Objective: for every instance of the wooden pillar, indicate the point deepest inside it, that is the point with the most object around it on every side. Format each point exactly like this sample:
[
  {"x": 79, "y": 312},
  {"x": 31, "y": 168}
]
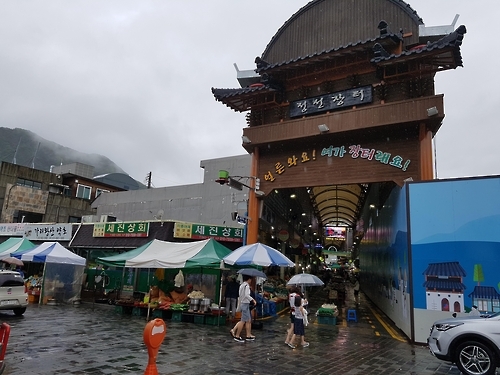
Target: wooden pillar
[
  {"x": 426, "y": 156},
  {"x": 253, "y": 202}
]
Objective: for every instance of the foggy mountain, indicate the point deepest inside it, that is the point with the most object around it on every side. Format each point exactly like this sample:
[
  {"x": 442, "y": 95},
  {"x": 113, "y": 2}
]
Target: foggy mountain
[{"x": 49, "y": 153}]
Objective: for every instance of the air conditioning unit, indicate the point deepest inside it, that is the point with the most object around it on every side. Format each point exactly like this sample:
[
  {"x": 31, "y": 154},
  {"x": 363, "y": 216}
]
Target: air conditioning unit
[
  {"x": 107, "y": 219},
  {"x": 90, "y": 218}
]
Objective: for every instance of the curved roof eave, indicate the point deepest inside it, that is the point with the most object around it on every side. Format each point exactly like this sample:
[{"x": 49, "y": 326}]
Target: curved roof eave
[
  {"x": 453, "y": 40},
  {"x": 268, "y": 67}
]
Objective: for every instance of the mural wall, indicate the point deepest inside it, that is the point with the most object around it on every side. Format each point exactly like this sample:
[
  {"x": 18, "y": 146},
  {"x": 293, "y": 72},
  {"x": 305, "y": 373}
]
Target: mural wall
[
  {"x": 455, "y": 248},
  {"x": 384, "y": 256}
]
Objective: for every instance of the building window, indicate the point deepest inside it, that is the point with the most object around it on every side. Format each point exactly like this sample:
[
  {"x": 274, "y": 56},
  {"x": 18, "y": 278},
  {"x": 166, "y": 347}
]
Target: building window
[
  {"x": 74, "y": 219},
  {"x": 83, "y": 191},
  {"x": 29, "y": 183},
  {"x": 99, "y": 191}
]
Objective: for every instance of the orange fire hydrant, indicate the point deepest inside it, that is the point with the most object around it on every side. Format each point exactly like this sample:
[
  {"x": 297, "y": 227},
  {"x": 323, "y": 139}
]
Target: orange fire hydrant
[{"x": 154, "y": 333}]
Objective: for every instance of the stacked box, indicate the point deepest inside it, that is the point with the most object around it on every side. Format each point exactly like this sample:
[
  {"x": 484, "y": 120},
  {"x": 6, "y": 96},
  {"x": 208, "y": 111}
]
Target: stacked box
[
  {"x": 188, "y": 318},
  {"x": 215, "y": 320},
  {"x": 139, "y": 311},
  {"x": 199, "y": 319},
  {"x": 176, "y": 316},
  {"x": 332, "y": 320},
  {"x": 124, "y": 310},
  {"x": 157, "y": 313}
]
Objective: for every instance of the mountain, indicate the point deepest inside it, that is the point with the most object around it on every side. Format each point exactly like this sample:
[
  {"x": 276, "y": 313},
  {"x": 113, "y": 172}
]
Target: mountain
[{"x": 49, "y": 153}]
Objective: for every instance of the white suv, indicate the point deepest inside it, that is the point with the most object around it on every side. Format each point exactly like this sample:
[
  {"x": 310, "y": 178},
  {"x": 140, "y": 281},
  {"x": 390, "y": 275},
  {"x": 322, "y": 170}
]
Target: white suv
[
  {"x": 13, "y": 294},
  {"x": 472, "y": 343}
]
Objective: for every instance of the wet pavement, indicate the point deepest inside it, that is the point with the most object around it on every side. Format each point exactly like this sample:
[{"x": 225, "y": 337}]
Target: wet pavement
[{"x": 95, "y": 339}]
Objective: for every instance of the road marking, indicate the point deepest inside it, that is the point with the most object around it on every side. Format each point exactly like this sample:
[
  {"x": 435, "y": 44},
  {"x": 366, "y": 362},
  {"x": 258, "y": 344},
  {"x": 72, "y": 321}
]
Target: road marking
[{"x": 389, "y": 329}]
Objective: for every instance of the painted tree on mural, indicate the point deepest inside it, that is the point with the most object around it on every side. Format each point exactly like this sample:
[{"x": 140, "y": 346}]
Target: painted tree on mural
[{"x": 478, "y": 273}]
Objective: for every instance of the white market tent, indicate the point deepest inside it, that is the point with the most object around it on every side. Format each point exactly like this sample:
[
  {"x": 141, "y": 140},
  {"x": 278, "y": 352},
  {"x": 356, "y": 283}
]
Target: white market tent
[
  {"x": 49, "y": 252},
  {"x": 162, "y": 254},
  {"x": 62, "y": 272}
]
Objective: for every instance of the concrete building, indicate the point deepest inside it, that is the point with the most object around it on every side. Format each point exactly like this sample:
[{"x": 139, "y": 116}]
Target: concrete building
[
  {"x": 36, "y": 196},
  {"x": 208, "y": 202}
]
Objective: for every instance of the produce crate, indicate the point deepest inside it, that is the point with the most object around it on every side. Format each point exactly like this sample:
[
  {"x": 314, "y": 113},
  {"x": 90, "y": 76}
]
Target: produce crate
[
  {"x": 188, "y": 318},
  {"x": 157, "y": 313},
  {"x": 199, "y": 319},
  {"x": 139, "y": 311},
  {"x": 124, "y": 310},
  {"x": 214, "y": 320},
  {"x": 167, "y": 314},
  {"x": 332, "y": 320},
  {"x": 176, "y": 316}
]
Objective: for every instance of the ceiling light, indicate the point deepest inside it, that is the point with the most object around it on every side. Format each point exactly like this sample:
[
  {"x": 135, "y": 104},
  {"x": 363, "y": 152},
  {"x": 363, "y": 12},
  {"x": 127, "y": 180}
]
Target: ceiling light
[
  {"x": 303, "y": 214},
  {"x": 293, "y": 196}
]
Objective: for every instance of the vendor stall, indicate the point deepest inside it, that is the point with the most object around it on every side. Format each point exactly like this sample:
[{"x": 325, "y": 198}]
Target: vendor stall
[
  {"x": 162, "y": 261},
  {"x": 62, "y": 271}
]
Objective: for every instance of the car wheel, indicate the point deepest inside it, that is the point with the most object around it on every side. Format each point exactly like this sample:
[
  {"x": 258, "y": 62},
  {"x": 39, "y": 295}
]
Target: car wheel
[
  {"x": 20, "y": 311},
  {"x": 475, "y": 358}
]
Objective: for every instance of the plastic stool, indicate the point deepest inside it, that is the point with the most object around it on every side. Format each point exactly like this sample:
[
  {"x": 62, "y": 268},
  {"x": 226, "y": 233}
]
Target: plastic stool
[{"x": 351, "y": 316}]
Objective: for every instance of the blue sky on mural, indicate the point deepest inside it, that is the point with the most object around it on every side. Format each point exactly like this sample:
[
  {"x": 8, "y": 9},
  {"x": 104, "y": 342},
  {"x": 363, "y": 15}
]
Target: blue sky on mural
[
  {"x": 112, "y": 76},
  {"x": 448, "y": 213},
  {"x": 455, "y": 221}
]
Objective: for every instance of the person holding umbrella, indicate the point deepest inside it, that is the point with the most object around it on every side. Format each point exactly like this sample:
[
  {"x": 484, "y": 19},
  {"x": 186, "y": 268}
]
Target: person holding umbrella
[
  {"x": 244, "y": 301},
  {"x": 294, "y": 291}
]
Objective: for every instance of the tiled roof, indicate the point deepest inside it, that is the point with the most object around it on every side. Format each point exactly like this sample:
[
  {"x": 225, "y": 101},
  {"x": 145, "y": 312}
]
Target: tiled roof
[
  {"x": 453, "y": 40},
  {"x": 227, "y": 93},
  {"x": 445, "y": 285},
  {"x": 264, "y": 67},
  {"x": 450, "y": 269},
  {"x": 484, "y": 292}
]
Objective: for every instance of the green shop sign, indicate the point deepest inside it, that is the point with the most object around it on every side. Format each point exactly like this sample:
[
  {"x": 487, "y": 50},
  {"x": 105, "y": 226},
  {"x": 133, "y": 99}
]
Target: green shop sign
[
  {"x": 204, "y": 231},
  {"x": 121, "y": 229}
]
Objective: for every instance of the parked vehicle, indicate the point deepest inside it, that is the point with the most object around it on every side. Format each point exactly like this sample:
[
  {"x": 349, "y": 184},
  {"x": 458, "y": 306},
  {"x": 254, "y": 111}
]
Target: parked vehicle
[
  {"x": 472, "y": 343},
  {"x": 13, "y": 295}
]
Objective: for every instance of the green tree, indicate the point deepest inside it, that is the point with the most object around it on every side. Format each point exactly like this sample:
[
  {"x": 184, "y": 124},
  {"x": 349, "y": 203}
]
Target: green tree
[{"x": 478, "y": 273}]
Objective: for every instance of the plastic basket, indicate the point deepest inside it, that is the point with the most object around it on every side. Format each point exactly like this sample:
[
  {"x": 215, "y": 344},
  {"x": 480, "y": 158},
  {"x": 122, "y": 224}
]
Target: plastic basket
[
  {"x": 214, "y": 320},
  {"x": 176, "y": 316},
  {"x": 199, "y": 319},
  {"x": 331, "y": 320}
]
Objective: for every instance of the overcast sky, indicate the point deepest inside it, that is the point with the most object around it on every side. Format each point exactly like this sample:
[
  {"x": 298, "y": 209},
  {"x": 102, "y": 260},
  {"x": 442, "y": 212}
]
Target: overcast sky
[{"x": 132, "y": 80}]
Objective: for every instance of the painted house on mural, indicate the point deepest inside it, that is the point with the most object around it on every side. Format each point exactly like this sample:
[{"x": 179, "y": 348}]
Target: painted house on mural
[
  {"x": 444, "y": 287},
  {"x": 486, "y": 298}
]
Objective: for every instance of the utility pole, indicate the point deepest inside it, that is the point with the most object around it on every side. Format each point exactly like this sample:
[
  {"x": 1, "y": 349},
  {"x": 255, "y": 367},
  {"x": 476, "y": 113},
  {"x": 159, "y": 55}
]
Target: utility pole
[{"x": 148, "y": 180}]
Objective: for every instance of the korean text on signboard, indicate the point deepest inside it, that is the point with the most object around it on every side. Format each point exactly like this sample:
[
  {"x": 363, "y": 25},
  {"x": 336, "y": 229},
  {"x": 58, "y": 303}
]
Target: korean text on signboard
[
  {"x": 331, "y": 102},
  {"x": 49, "y": 232},
  {"x": 121, "y": 229},
  {"x": 12, "y": 229},
  {"x": 204, "y": 231}
]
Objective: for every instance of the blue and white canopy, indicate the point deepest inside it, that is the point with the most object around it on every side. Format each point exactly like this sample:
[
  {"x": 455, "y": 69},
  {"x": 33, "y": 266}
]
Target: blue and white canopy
[
  {"x": 49, "y": 252},
  {"x": 258, "y": 254}
]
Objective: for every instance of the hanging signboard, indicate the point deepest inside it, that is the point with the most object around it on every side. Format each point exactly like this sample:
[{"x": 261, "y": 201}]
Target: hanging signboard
[
  {"x": 331, "y": 102},
  {"x": 204, "y": 231},
  {"x": 48, "y": 232},
  {"x": 12, "y": 229},
  {"x": 121, "y": 229}
]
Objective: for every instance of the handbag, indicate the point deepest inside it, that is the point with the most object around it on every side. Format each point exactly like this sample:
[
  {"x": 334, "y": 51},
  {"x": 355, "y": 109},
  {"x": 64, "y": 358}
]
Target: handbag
[{"x": 251, "y": 305}]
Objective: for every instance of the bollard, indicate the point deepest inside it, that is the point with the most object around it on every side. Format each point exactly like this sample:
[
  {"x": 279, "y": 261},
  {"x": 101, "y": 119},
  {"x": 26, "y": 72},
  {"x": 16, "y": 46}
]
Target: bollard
[{"x": 154, "y": 333}]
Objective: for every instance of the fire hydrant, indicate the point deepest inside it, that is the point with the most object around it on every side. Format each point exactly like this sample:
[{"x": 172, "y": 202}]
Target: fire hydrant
[{"x": 154, "y": 333}]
